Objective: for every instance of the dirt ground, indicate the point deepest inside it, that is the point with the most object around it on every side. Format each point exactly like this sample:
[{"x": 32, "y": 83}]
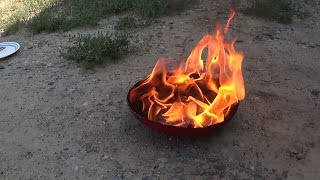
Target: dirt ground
[{"x": 58, "y": 121}]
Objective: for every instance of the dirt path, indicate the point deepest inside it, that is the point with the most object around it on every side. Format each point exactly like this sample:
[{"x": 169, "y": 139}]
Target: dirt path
[{"x": 60, "y": 122}]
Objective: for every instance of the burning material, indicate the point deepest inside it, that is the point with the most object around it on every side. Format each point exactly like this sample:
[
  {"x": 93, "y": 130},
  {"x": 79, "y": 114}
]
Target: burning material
[{"x": 196, "y": 94}]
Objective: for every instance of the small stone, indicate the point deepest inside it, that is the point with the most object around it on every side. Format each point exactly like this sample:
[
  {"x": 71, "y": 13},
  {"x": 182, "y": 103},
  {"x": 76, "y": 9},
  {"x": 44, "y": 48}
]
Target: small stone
[
  {"x": 299, "y": 156},
  {"x": 259, "y": 163},
  {"x": 163, "y": 160},
  {"x": 51, "y": 89},
  {"x": 220, "y": 167},
  {"x": 1, "y": 66},
  {"x": 236, "y": 143},
  {"x": 212, "y": 172},
  {"x": 285, "y": 174},
  {"x": 257, "y": 171},
  {"x": 312, "y": 45},
  {"x": 146, "y": 178},
  {"x": 313, "y": 92},
  {"x": 178, "y": 169},
  {"x": 75, "y": 168},
  {"x": 50, "y": 83},
  {"x": 161, "y": 165},
  {"x": 220, "y": 12},
  {"x": 268, "y": 35},
  {"x": 295, "y": 149},
  {"x": 85, "y": 104}
]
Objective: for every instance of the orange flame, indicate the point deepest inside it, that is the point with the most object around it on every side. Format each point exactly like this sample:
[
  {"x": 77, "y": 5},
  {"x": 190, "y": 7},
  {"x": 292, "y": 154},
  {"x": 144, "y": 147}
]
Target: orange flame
[{"x": 196, "y": 94}]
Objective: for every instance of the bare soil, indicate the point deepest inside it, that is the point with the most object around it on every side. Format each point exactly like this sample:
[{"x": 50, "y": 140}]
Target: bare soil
[{"x": 58, "y": 121}]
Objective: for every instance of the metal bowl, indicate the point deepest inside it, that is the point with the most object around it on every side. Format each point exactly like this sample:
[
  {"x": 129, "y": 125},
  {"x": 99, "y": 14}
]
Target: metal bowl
[{"x": 176, "y": 130}]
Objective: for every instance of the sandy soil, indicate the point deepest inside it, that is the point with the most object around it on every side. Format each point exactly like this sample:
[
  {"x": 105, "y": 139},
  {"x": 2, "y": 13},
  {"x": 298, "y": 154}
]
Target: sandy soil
[{"x": 58, "y": 121}]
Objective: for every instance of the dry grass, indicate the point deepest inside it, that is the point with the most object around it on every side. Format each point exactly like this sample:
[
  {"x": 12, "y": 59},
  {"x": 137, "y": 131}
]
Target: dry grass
[
  {"x": 14, "y": 12},
  {"x": 44, "y": 15},
  {"x": 278, "y": 10}
]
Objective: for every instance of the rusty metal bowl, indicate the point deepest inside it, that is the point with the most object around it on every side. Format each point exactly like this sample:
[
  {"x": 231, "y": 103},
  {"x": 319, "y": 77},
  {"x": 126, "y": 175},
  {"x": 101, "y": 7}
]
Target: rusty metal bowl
[{"x": 176, "y": 130}]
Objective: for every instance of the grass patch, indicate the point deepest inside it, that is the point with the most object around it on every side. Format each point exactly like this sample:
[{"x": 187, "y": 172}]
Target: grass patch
[
  {"x": 278, "y": 10},
  {"x": 153, "y": 8},
  {"x": 91, "y": 51},
  {"x": 14, "y": 13},
  {"x": 126, "y": 22},
  {"x": 56, "y": 15}
]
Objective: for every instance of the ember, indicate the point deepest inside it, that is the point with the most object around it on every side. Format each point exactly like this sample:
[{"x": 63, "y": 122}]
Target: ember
[{"x": 196, "y": 94}]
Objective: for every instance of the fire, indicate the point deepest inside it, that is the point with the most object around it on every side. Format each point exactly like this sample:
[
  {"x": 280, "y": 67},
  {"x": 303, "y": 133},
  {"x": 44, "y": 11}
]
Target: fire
[{"x": 197, "y": 93}]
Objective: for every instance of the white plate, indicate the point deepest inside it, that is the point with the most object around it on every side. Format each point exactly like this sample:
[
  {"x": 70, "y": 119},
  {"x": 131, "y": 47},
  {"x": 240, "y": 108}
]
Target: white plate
[{"x": 8, "y": 48}]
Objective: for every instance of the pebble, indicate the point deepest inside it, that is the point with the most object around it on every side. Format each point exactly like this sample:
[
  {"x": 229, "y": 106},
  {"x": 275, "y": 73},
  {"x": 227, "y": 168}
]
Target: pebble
[
  {"x": 161, "y": 165},
  {"x": 312, "y": 45},
  {"x": 50, "y": 83},
  {"x": 258, "y": 172},
  {"x": 297, "y": 151},
  {"x": 299, "y": 156},
  {"x": 220, "y": 167},
  {"x": 163, "y": 160},
  {"x": 236, "y": 143},
  {"x": 141, "y": 41},
  {"x": 146, "y": 178},
  {"x": 178, "y": 169},
  {"x": 1, "y": 66},
  {"x": 313, "y": 92},
  {"x": 51, "y": 89},
  {"x": 268, "y": 35},
  {"x": 285, "y": 174},
  {"x": 75, "y": 168}
]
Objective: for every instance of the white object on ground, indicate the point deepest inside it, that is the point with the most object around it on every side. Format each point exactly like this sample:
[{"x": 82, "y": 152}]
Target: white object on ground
[{"x": 8, "y": 48}]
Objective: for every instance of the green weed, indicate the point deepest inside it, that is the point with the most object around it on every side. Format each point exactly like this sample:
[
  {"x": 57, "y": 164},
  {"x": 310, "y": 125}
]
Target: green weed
[
  {"x": 279, "y": 10},
  {"x": 62, "y": 15},
  {"x": 126, "y": 22},
  {"x": 91, "y": 51}
]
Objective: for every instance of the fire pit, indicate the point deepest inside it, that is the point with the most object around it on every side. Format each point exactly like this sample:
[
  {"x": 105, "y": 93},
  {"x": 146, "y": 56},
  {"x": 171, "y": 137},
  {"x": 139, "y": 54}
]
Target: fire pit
[{"x": 196, "y": 97}]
